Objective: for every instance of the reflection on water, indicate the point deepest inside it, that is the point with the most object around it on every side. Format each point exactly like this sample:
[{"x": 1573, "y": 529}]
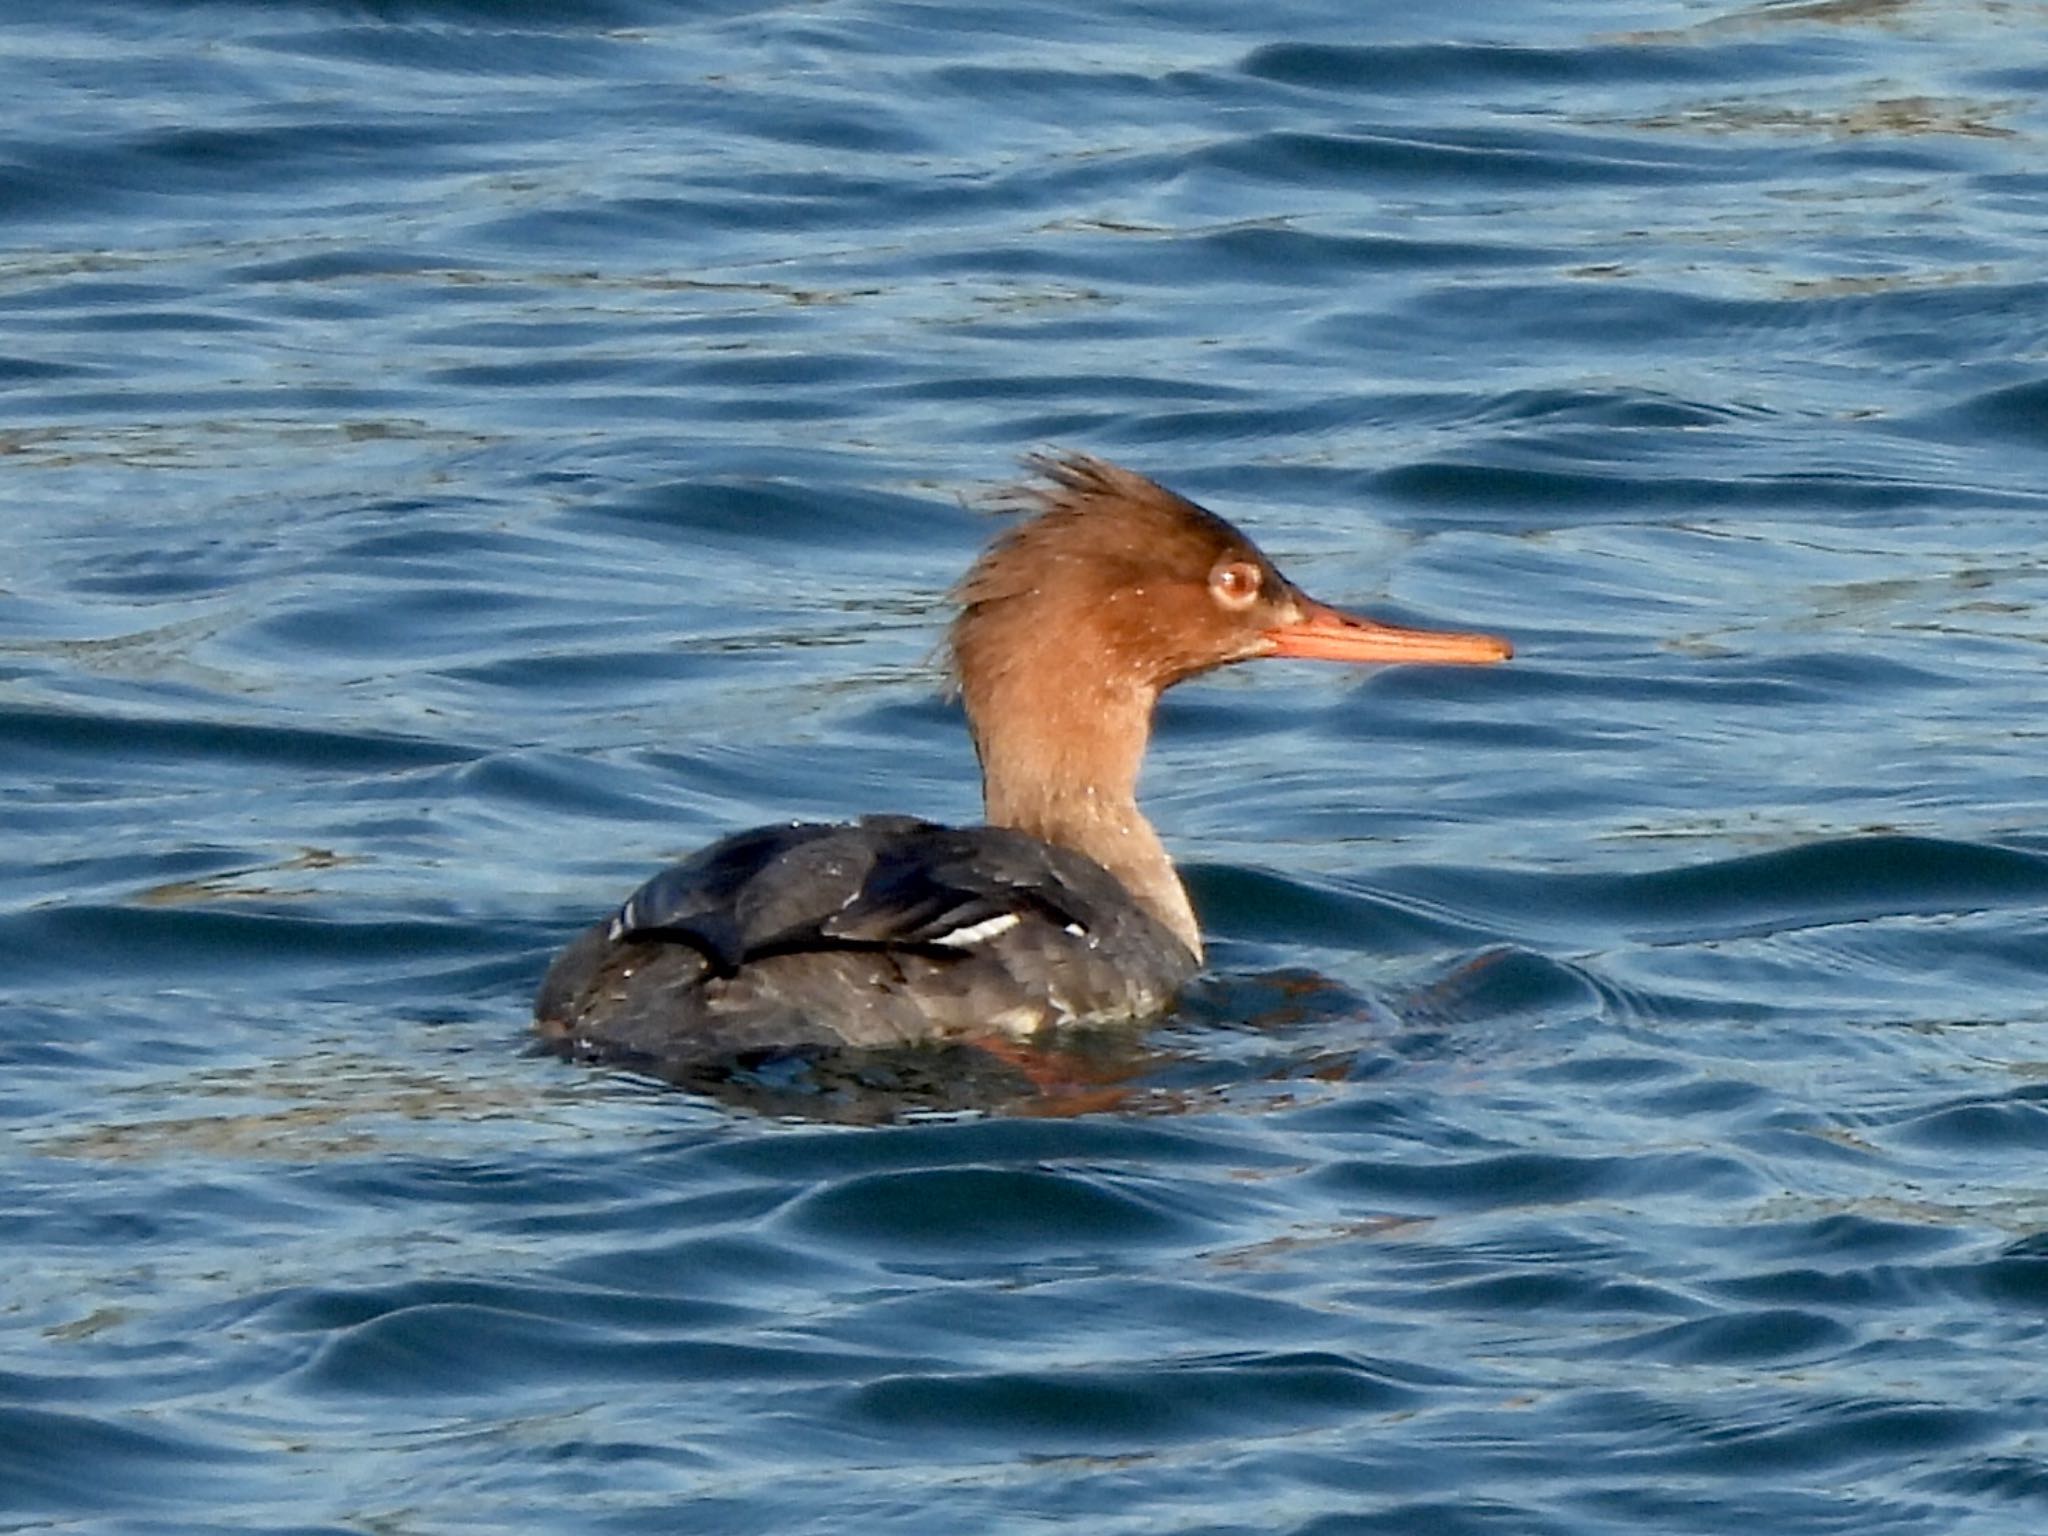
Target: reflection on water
[
  {"x": 321, "y": 1108},
  {"x": 1892, "y": 117}
]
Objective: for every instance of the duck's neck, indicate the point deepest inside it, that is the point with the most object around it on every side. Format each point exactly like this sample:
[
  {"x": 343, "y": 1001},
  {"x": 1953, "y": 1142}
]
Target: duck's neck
[{"x": 1063, "y": 766}]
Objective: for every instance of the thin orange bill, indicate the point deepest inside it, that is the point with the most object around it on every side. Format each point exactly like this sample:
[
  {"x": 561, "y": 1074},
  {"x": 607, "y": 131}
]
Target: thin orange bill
[{"x": 1324, "y": 634}]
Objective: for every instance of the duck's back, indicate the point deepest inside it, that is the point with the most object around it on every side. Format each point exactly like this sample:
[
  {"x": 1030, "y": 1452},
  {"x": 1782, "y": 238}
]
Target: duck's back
[{"x": 886, "y": 931}]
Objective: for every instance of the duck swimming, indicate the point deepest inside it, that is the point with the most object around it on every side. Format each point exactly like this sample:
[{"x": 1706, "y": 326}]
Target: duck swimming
[{"x": 1064, "y": 908}]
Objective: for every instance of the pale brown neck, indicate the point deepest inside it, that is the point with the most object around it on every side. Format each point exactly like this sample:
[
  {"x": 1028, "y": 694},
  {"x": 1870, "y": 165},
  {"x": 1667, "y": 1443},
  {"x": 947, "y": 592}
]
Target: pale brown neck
[{"x": 1062, "y": 765}]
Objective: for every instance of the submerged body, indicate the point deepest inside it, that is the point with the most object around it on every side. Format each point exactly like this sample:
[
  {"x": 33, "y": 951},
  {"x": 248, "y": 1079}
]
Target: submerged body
[
  {"x": 1063, "y": 909},
  {"x": 885, "y": 932}
]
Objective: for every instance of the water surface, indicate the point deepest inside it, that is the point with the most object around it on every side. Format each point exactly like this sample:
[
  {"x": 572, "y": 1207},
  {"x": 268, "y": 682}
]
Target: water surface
[{"x": 456, "y": 454}]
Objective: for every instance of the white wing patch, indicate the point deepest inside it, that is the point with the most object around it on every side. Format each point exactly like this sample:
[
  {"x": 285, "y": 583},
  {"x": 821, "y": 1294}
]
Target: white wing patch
[{"x": 981, "y": 932}]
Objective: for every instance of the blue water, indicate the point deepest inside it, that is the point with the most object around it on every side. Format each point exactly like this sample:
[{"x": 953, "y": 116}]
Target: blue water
[{"x": 455, "y": 455}]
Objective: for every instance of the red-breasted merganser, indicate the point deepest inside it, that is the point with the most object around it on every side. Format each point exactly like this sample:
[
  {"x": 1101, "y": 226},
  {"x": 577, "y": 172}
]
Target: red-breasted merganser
[{"x": 1064, "y": 908}]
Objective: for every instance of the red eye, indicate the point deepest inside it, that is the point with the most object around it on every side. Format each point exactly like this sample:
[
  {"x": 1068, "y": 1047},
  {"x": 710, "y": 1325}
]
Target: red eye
[{"x": 1235, "y": 583}]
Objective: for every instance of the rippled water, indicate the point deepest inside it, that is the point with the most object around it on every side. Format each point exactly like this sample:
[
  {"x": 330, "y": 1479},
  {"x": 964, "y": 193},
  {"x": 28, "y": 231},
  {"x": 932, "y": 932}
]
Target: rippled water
[{"x": 457, "y": 454}]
